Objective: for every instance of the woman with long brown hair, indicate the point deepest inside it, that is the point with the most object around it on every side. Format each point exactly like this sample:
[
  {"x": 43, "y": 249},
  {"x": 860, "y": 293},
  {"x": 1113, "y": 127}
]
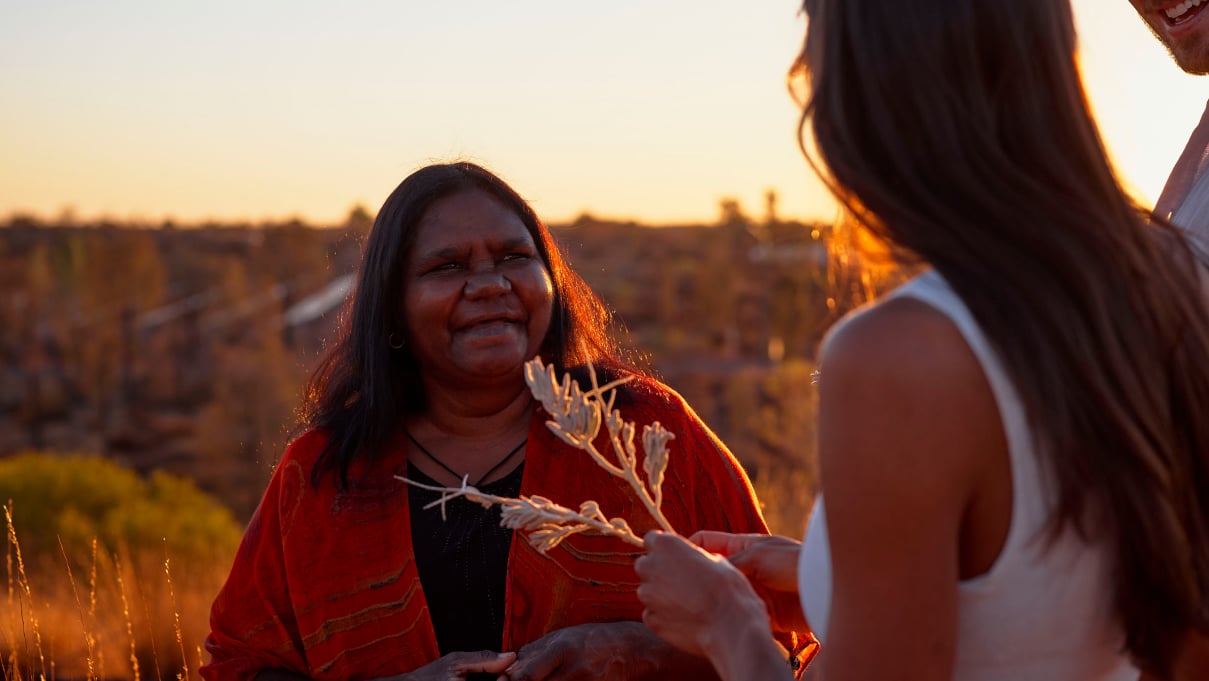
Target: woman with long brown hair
[
  {"x": 1014, "y": 445},
  {"x": 347, "y": 573}
]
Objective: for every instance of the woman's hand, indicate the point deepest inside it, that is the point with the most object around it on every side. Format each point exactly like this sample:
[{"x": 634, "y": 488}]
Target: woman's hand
[
  {"x": 691, "y": 596},
  {"x": 456, "y": 666},
  {"x": 770, "y": 564},
  {"x": 617, "y": 651}
]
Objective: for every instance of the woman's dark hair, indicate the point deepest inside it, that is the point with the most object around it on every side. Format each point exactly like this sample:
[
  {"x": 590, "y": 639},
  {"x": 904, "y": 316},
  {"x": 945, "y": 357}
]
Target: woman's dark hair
[
  {"x": 362, "y": 387},
  {"x": 959, "y": 132}
]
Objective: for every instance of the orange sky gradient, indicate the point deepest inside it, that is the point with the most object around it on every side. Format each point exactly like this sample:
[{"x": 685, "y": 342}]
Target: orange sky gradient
[{"x": 630, "y": 110}]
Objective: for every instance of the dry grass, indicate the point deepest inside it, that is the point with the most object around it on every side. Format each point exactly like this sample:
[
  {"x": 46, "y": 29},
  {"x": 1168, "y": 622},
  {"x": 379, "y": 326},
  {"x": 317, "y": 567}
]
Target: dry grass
[{"x": 129, "y": 615}]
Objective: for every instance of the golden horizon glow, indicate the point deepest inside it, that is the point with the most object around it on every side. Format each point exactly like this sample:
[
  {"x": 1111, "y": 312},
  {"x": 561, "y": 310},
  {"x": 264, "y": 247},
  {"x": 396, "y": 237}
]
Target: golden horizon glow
[{"x": 650, "y": 112}]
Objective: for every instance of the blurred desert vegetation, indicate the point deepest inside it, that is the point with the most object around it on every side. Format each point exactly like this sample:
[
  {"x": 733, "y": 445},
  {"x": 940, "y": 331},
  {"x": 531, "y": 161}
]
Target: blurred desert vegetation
[
  {"x": 101, "y": 564},
  {"x": 150, "y": 376}
]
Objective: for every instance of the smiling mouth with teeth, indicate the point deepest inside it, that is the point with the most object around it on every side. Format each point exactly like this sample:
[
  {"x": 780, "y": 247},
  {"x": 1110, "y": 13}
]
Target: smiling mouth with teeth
[{"x": 1183, "y": 12}]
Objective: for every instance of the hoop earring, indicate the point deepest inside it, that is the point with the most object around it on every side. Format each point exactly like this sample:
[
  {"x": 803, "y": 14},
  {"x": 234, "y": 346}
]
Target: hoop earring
[{"x": 396, "y": 341}]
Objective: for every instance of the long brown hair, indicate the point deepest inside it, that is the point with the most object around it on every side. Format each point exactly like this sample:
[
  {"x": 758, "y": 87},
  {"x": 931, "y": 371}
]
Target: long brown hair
[
  {"x": 362, "y": 386},
  {"x": 959, "y": 131}
]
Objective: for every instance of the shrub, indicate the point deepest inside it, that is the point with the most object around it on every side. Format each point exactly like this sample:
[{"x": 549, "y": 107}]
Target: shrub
[
  {"x": 139, "y": 600},
  {"x": 76, "y": 498}
]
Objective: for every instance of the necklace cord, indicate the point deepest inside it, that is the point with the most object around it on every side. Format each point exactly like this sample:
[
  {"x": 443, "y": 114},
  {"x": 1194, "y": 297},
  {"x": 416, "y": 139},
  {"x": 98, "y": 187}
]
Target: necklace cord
[{"x": 454, "y": 473}]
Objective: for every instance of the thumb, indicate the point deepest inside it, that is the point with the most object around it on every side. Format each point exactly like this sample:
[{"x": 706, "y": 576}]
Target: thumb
[{"x": 487, "y": 661}]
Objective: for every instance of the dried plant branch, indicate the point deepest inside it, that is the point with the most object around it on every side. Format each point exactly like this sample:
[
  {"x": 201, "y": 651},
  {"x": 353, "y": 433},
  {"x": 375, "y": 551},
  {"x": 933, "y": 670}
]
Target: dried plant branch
[
  {"x": 576, "y": 418},
  {"x": 546, "y": 522}
]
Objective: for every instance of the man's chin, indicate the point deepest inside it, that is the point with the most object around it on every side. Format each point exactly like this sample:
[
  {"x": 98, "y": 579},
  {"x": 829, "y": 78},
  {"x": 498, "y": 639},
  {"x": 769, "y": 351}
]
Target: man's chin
[
  {"x": 1191, "y": 51},
  {"x": 1196, "y": 66},
  {"x": 1193, "y": 61},
  {"x": 1189, "y": 47}
]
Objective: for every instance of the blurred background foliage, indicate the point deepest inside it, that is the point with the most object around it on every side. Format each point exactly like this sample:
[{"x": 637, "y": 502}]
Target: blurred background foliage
[
  {"x": 150, "y": 376},
  {"x": 61, "y": 503},
  {"x": 110, "y": 573}
]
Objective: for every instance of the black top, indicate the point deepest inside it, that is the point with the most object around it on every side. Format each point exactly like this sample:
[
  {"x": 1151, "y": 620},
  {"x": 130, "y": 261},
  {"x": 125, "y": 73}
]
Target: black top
[{"x": 463, "y": 563}]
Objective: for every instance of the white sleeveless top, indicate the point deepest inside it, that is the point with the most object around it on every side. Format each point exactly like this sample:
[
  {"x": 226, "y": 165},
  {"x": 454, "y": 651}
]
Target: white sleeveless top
[{"x": 1040, "y": 613}]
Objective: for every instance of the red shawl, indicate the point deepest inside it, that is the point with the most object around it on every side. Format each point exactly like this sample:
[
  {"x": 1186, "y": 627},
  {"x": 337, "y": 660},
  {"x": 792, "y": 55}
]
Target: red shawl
[{"x": 325, "y": 583}]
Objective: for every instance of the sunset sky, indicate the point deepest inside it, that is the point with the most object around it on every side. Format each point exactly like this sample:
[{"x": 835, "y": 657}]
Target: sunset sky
[{"x": 637, "y": 110}]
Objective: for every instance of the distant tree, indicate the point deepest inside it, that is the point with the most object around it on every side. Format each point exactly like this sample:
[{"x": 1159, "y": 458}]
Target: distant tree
[
  {"x": 67, "y": 217},
  {"x": 584, "y": 219},
  {"x": 256, "y": 384},
  {"x": 120, "y": 275},
  {"x": 39, "y": 280},
  {"x": 730, "y": 212},
  {"x": 294, "y": 255},
  {"x": 359, "y": 220},
  {"x": 770, "y": 207},
  {"x": 23, "y": 221}
]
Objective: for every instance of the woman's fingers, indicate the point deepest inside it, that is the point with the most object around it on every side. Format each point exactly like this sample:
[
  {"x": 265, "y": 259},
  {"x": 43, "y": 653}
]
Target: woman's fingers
[
  {"x": 487, "y": 661},
  {"x": 673, "y": 583},
  {"x": 724, "y": 543},
  {"x": 771, "y": 563},
  {"x": 688, "y": 594}
]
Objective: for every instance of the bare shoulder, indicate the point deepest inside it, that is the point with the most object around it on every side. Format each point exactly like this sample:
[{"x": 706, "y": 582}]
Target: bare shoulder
[
  {"x": 899, "y": 339},
  {"x": 900, "y": 385}
]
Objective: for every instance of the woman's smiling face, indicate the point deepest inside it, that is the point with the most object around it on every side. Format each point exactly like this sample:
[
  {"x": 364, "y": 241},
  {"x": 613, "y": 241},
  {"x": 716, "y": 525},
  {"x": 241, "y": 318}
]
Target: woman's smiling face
[{"x": 478, "y": 297}]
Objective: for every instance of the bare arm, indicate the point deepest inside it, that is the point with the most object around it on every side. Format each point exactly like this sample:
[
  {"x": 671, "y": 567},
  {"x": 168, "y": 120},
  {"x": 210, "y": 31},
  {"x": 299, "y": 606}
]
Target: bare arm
[
  {"x": 906, "y": 419},
  {"x": 750, "y": 653}
]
